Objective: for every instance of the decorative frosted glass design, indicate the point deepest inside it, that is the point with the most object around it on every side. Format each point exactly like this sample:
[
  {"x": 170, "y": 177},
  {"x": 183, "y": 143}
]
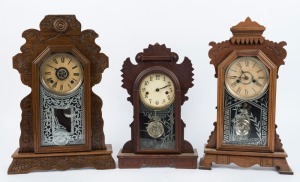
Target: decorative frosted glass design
[
  {"x": 245, "y": 122},
  {"x": 62, "y": 118},
  {"x": 157, "y": 128}
]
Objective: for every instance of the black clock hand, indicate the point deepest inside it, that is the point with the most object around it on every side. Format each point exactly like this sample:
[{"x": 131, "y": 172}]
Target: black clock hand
[
  {"x": 157, "y": 90},
  {"x": 165, "y": 86},
  {"x": 233, "y": 77},
  {"x": 51, "y": 66},
  {"x": 245, "y": 76}
]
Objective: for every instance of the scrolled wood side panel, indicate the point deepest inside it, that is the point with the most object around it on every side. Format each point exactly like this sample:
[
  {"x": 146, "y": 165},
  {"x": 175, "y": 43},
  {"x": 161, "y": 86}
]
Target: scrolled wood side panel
[
  {"x": 26, "y": 138},
  {"x": 98, "y": 138},
  {"x": 186, "y": 147},
  {"x": 278, "y": 144},
  {"x": 212, "y": 140},
  {"x": 128, "y": 147}
]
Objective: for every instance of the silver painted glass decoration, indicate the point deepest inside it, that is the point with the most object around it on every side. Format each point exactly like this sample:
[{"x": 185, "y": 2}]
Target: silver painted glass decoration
[
  {"x": 62, "y": 118},
  {"x": 245, "y": 122},
  {"x": 157, "y": 128}
]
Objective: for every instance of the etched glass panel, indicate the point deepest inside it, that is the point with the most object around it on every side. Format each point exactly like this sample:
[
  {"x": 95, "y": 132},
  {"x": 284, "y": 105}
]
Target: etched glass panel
[
  {"x": 157, "y": 128},
  {"x": 62, "y": 118},
  {"x": 245, "y": 122}
]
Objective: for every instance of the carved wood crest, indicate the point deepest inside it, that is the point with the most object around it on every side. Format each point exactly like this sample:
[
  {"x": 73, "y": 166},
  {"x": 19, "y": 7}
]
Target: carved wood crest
[{"x": 247, "y": 35}]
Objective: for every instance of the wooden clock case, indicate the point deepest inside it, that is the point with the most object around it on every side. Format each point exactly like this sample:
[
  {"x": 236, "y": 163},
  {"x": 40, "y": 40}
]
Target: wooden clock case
[
  {"x": 60, "y": 34},
  {"x": 247, "y": 40},
  {"x": 158, "y": 58}
]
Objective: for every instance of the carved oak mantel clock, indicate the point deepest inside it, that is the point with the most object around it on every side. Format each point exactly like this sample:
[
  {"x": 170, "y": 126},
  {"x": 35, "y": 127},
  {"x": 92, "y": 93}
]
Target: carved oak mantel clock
[
  {"x": 62, "y": 125},
  {"x": 157, "y": 86},
  {"x": 245, "y": 133}
]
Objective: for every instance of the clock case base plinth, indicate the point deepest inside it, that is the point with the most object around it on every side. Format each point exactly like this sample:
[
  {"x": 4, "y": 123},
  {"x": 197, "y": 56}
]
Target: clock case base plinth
[
  {"x": 27, "y": 162},
  {"x": 183, "y": 160},
  {"x": 245, "y": 159}
]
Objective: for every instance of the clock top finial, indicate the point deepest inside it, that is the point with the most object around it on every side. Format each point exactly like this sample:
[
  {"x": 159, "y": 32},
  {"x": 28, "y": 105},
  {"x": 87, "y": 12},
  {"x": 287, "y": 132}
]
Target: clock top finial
[
  {"x": 247, "y": 32},
  {"x": 248, "y": 19}
]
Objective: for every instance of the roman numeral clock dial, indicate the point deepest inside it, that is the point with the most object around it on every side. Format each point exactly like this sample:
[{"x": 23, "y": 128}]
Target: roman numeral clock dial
[
  {"x": 61, "y": 73},
  {"x": 247, "y": 78},
  {"x": 157, "y": 91}
]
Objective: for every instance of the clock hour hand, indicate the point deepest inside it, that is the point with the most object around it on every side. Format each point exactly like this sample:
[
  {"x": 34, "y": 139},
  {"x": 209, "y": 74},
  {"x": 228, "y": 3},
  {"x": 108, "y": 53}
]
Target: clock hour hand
[
  {"x": 232, "y": 77},
  {"x": 51, "y": 66}
]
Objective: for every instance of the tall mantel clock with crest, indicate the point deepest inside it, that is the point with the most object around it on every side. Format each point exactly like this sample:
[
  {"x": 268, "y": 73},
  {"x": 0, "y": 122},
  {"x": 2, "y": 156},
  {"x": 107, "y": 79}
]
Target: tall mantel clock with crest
[
  {"x": 247, "y": 69},
  {"x": 157, "y": 86},
  {"x": 62, "y": 125}
]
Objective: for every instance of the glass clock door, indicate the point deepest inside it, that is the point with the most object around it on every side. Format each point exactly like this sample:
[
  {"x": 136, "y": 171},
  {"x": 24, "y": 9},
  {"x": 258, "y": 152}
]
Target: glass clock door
[
  {"x": 245, "y": 122},
  {"x": 62, "y": 118},
  {"x": 157, "y": 128}
]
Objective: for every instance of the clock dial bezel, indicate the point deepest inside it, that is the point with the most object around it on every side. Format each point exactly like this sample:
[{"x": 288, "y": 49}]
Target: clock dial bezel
[
  {"x": 248, "y": 82},
  {"x": 65, "y": 71},
  {"x": 153, "y": 88}
]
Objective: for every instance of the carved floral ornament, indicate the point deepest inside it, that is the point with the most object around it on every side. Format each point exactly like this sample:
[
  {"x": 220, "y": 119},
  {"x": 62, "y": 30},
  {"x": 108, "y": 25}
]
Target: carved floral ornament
[{"x": 60, "y": 25}]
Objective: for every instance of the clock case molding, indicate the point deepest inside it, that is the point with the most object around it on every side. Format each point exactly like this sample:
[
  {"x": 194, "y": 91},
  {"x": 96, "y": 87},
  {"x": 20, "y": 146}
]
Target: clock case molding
[
  {"x": 157, "y": 58},
  {"x": 247, "y": 40},
  {"x": 60, "y": 34}
]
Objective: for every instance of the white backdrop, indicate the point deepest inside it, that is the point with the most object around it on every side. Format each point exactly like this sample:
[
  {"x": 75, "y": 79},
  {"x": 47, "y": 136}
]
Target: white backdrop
[{"x": 126, "y": 27}]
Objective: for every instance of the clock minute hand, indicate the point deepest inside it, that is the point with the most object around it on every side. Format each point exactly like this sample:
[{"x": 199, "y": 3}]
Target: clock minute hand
[
  {"x": 157, "y": 90},
  {"x": 165, "y": 86}
]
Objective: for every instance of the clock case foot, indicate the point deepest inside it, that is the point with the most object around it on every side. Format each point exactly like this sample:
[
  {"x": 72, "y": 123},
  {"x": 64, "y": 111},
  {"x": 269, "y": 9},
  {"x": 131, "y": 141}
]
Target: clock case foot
[
  {"x": 245, "y": 159},
  {"x": 28, "y": 162},
  {"x": 183, "y": 160}
]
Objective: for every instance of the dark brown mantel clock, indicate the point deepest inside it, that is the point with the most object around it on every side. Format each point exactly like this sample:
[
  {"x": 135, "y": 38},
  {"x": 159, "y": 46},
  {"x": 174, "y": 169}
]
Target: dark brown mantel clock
[
  {"x": 157, "y": 86},
  {"x": 247, "y": 69},
  {"x": 62, "y": 125}
]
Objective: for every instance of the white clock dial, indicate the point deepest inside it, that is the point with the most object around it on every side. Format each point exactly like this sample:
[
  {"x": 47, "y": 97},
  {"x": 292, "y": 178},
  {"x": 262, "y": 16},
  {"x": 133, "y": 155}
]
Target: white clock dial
[
  {"x": 247, "y": 78},
  {"x": 157, "y": 91}
]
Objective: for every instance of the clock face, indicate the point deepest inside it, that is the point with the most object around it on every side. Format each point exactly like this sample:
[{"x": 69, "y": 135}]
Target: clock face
[
  {"x": 247, "y": 78},
  {"x": 61, "y": 73},
  {"x": 157, "y": 91}
]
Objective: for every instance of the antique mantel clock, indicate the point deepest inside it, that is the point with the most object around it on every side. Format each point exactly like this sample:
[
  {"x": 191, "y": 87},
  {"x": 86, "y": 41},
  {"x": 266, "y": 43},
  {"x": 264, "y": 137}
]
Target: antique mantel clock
[
  {"x": 62, "y": 125},
  {"x": 157, "y": 86},
  {"x": 245, "y": 133}
]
